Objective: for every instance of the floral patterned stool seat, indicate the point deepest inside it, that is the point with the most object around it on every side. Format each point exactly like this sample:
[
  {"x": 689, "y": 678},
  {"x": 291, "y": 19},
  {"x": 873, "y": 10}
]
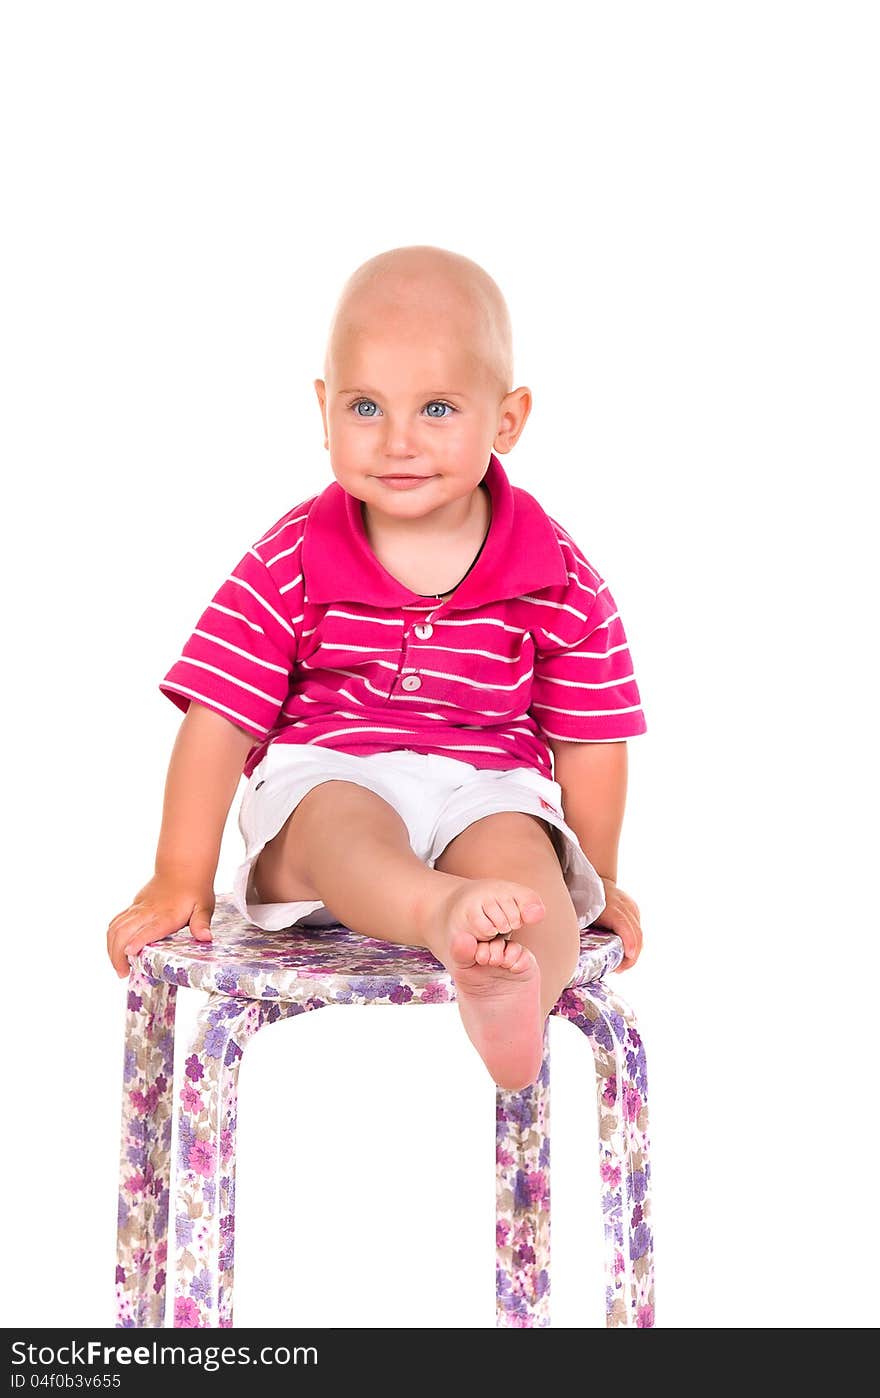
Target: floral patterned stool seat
[{"x": 254, "y": 978}]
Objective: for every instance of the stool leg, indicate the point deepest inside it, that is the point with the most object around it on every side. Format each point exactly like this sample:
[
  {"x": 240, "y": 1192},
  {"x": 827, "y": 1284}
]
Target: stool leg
[
  {"x": 522, "y": 1224},
  {"x": 206, "y": 1123},
  {"x": 622, "y": 1087},
  {"x": 145, "y": 1157}
]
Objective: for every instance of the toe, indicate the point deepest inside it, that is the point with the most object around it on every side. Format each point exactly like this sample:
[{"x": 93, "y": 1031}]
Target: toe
[
  {"x": 510, "y": 908},
  {"x": 531, "y": 908},
  {"x": 516, "y": 957},
  {"x": 481, "y": 925},
  {"x": 496, "y": 912}
]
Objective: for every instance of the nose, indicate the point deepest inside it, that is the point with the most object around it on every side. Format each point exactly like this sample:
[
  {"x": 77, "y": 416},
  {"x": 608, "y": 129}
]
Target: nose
[{"x": 400, "y": 437}]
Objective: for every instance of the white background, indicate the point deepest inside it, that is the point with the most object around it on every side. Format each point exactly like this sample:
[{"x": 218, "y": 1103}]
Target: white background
[{"x": 680, "y": 204}]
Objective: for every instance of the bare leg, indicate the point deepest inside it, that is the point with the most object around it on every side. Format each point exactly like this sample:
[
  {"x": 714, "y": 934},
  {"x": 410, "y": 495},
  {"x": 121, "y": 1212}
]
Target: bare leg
[
  {"x": 512, "y": 841},
  {"x": 345, "y": 846},
  {"x": 545, "y": 953}
]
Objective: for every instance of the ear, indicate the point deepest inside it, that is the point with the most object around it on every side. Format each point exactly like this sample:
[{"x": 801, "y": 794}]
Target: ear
[
  {"x": 321, "y": 390},
  {"x": 514, "y": 410}
]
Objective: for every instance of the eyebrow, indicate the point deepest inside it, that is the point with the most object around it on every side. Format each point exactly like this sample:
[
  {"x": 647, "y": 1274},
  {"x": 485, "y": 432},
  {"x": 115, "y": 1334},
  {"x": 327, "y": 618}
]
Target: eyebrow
[{"x": 374, "y": 393}]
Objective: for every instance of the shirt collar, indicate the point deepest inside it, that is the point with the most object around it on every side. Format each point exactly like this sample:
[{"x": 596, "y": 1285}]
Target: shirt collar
[{"x": 521, "y": 553}]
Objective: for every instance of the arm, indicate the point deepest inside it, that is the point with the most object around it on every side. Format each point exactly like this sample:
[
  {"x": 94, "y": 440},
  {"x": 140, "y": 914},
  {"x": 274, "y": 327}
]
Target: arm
[
  {"x": 203, "y": 776},
  {"x": 593, "y": 778}
]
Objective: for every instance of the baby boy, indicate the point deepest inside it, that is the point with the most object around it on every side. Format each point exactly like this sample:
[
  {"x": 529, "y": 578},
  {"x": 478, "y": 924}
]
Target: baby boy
[{"x": 426, "y": 683}]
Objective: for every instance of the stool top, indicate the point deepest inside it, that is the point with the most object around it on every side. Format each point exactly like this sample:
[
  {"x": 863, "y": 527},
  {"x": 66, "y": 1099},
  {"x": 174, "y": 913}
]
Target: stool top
[{"x": 333, "y": 963}]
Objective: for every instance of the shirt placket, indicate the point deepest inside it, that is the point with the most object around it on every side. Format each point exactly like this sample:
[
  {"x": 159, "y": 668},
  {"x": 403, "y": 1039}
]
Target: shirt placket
[{"x": 415, "y": 628}]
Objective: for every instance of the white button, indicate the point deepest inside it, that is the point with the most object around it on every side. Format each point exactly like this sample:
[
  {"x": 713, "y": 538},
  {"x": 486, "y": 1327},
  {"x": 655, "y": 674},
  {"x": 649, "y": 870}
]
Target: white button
[
  {"x": 411, "y": 682},
  {"x": 424, "y": 631}
]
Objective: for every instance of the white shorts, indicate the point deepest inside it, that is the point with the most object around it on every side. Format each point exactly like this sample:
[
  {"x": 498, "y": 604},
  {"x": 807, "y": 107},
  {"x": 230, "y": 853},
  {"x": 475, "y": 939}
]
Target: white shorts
[{"x": 436, "y": 797}]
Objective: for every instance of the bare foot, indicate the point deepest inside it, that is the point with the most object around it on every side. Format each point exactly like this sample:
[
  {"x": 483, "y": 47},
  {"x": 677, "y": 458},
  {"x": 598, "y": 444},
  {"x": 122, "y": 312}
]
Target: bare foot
[
  {"x": 482, "y": 907},
  {"x": 497, "y": 982}
]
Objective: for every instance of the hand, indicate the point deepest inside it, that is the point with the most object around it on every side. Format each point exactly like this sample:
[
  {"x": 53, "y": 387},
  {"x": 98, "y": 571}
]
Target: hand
[
  {"x": 621, "y": 915},
  {"x": 164, "y": 905}
]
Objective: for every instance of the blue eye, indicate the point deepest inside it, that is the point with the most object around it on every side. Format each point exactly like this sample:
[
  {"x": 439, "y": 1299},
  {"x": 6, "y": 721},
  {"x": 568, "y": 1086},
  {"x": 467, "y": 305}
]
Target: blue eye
[{"x": 435, "y": 403}]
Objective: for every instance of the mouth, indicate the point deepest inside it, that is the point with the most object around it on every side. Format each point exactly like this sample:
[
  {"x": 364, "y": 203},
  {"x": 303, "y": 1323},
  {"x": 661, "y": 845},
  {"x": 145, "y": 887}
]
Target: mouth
[{"x": 398, "y": 482}]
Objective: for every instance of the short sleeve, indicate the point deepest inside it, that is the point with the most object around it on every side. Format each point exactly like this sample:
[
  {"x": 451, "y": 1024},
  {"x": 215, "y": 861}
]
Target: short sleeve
[
  {"x": 584, "y": 689},
  {"x": 241, "y": 655}
]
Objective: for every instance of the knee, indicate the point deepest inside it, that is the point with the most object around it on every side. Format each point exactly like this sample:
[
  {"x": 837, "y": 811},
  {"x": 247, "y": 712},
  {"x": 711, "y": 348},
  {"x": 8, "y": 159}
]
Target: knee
[
  {"x": 524, "y": 837},
  {"x": 341, "y": 808},
  {"x": 520, "y": 825}
]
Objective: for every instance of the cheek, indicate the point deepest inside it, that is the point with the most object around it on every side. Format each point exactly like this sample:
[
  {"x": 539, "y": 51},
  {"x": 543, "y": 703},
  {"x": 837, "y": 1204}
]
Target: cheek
[{"x": 347, "y": 441}]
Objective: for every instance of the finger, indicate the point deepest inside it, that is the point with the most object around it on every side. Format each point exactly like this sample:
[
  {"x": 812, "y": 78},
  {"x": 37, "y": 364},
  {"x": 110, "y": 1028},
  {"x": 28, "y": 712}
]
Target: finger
[
  {"x": 120, "y": 965},
  {"x": 127, "y": 931},
  {"x": 632, "y": 946},
  {"x": 632, "y": 913},
  {"x": 112, "y": 949},
  {"x": 154, "y": 930},
  {"x": 124, "y": 920},
  {"x": 632, "y": 931},
  {"x": 116, "y": 950},
  {"x": 129, "y": 935},
  {"x": 132, "y": 931},
  {"x": 640, "y": 937},
  {"x": 200, "y": 924},
  {"x": 629, "y": 905},
  {"x": 629, "y": 937},
  {"x": 135, "y": 943},
  {"x": 626, "y": 964},
  {"x": 619, "y": 922},
  {"x": 131, "y": 911},
  {"x": 119, "y": 957}
]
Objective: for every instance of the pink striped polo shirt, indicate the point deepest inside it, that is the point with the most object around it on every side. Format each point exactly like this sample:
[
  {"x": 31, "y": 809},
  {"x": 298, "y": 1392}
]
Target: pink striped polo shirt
[{"x": 310, "y": 640}]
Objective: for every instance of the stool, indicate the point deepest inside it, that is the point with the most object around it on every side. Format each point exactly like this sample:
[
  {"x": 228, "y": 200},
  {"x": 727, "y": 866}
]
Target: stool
[{"x": 255, "y": 977}]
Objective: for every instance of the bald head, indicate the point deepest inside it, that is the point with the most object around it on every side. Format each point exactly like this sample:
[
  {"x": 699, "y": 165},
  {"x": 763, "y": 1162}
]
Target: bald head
[{"x": 440, "y": 291}]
